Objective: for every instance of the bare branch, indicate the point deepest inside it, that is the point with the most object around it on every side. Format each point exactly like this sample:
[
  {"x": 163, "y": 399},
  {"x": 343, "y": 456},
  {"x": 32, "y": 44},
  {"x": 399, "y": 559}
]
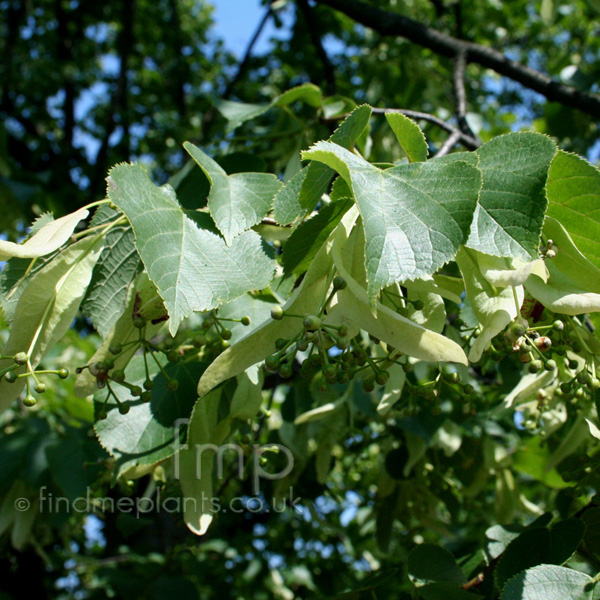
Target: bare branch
[
  {"x": 312, "y": 26},
  {"x": 458, "y": 83},
  {"x": 447, "y": 146},
  {"x": 119, "y": 98},
  {"x": 393, "y": 24}
]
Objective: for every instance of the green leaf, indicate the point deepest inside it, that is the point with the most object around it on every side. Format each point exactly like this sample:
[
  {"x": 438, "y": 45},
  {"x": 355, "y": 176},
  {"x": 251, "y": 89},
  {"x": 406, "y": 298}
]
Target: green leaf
[
  {"x": 498, "y": 537},
  {"x": 409, "y": 136},
  {"x": 47, "y": 239},
  {"x": 149, "y": 433},
  {"x": 512, "y": 204},
  {"x": 115, "y": 271},
  {"x": 47, "y": 308},
  {"x": 415, "y": 216},
  {"x": 193, "y": 269},
  {"x": 238, "y": 113},
  {"x": 573, "y": 190},
  {"x": 539, "y": 546},
  {"x": 65, "y": 459},
  {"x": 308, "y": 93},
  {"x": 236, "y": 202},
  {"x": 304, "y": 243},
  {"x": 533, "y": 459},
  {"x": 548, "y": 582},
  {"x": 573, "y": 285},
  {"x": 304, "y": 191},
  {"x": 494, "y": 307},
  {"x": 428, "y": 563}
]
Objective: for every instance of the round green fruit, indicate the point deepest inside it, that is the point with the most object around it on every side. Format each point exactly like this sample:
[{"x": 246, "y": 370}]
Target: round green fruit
[
  {"x": 29, "y": 401},
  {"x": 10, "y": 377},
  {"x": 312, "y": 323},
  {"x": 172, "y": 384},
  {"x": 277, "y": 313},
  {"x": 339, "y": 283}
]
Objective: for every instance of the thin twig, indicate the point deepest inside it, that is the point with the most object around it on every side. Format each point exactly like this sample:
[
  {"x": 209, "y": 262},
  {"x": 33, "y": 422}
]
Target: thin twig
[
  {"x": 447, "y": 146},
  {"x": 394, "y": 24},
  {"x": 467, "y": 141},
  {"x": 458, "y": 83}
]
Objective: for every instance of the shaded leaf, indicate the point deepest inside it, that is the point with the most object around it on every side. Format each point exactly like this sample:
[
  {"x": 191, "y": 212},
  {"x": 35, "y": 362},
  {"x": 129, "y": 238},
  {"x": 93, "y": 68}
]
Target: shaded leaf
[
  {"x": 150, "y": 431},
  {"x": 115, "y": 271},
  {"x": 304, "y": 243},
  {"x": 429, "y": 563},
  {"x": 538, "y": 546},
  {"x": 304, "y": 191}
]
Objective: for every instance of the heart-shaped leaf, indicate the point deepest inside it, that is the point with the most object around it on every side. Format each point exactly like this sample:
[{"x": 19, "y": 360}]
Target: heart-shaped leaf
[
  {"x": 415, "y": 216},
  {"x": 193, "y": 269}
]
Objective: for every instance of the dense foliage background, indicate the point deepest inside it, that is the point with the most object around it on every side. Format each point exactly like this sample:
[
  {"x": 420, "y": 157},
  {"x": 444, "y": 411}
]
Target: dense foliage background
[{"x": 84, "y": 86}]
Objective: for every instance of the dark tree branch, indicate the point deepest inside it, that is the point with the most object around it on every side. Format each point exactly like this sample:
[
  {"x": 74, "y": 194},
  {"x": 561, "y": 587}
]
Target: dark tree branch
[
  {"x": 312, "y": 26},
  {"x": 248, "y": 54},
  {"x": 65, "y": 57},
  {"x": 458, "y": 83},
  {"x": 388, "y": 23},
  {"x": 180, "y": 67},
  {"x": 118, "y": 99},
  {"x": 447, "y": 146},
  {"x": 458, "y": 19}
]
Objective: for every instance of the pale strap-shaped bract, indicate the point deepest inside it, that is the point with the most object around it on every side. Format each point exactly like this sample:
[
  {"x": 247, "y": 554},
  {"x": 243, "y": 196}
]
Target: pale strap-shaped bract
[
  {"x": 494, "y": 307},
  {"x": 394, "y": 329},
  {"x": 48, "y": 239},
  {"x": 573, "y": 287},
  {"x": 47, "y": 308}
]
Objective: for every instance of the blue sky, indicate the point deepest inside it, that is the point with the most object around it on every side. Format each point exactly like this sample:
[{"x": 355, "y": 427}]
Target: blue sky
[{"x": 236, "y": 21}]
